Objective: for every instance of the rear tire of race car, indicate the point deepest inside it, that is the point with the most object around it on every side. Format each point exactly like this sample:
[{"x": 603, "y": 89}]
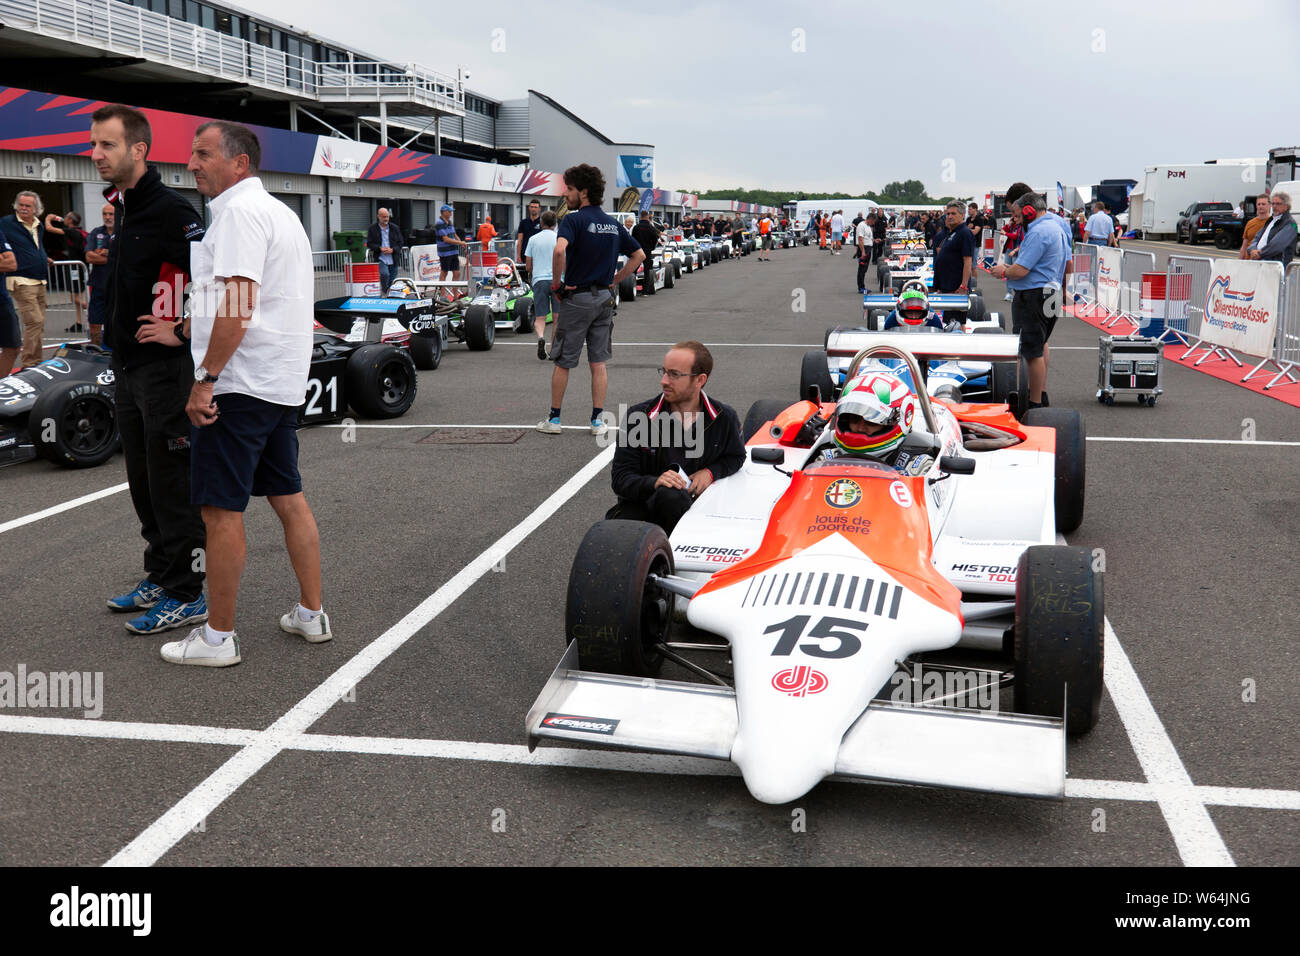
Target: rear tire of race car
[
  {"x": 760, "y": 413},
  {"x": 480, "y": 328},
  {"x": 84, "y": 420},
  {"x": 627, "y": 289},
  {"x": 677, "y": 269},
  {"x": 426, "y": 351},
  {"x": 614, "y": 612},
  {"x": 1071, "y": 459},
  {"x": 669, "y": 280},
  {"x": 524, "y": 317},
  {"x": 1058, "y": 642},
  {"x": 381, "y": 381},
  {"x": 977, "y": 312},
  {"x": 815, "y": 371}
]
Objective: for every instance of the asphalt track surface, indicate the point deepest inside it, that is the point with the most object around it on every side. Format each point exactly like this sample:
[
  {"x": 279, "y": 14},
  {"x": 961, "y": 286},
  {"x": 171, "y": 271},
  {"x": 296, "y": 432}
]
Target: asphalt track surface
[{"x": 401, "y": 742}]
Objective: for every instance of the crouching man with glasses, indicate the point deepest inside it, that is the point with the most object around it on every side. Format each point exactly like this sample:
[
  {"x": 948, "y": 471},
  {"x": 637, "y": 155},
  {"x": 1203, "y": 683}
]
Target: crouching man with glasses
[{"x": 672, "y": 447}]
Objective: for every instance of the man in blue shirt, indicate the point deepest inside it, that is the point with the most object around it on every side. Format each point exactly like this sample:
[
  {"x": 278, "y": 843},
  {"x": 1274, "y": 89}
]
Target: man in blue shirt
[
  {"x": 586, "y": 254},
  {"x": 448, "y": 240},
  {"x": 1035, "y": 283}
]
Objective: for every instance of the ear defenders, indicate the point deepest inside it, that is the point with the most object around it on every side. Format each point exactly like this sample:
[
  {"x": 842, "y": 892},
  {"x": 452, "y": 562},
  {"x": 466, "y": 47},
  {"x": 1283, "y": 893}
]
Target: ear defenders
[{"x": 1028, "y": 212}]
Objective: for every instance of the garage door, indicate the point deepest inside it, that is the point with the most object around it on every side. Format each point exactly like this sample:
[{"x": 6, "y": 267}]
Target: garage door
[
  {"x": 355, "y": 213},
  {"x": 195, "y": 199}
]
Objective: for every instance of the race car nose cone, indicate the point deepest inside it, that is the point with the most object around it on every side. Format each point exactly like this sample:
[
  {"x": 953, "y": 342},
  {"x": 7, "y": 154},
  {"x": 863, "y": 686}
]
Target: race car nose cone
[{"x": 780, "y": 778}]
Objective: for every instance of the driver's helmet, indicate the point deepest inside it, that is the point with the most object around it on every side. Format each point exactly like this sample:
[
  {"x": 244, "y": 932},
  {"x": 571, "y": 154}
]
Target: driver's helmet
[
  {"x": 403, "y": 289},
  {"x": 913, "y": 305},
  {"x": 873, "y": 416},
  {"x": 503, "y": 276}
]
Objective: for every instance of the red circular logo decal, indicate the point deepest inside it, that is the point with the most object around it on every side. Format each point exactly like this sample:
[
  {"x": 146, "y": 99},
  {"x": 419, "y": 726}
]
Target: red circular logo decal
[{"x": 800, "y": 681}]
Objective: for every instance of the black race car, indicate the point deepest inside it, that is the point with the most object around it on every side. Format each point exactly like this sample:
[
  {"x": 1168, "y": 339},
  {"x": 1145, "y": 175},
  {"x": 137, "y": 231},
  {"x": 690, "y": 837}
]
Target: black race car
[{"x": 63, "y": 409}]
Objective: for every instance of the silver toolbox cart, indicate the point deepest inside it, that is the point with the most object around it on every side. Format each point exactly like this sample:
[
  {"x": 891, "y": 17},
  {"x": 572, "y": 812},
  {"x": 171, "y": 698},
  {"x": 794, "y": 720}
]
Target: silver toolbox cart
[{"x": 1129, "y": 365}]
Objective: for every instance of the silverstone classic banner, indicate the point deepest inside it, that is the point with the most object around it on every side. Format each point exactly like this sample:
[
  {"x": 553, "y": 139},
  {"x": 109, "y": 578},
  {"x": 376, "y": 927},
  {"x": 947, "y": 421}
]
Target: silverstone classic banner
[
  {"x": 1241, "y": 307},
  {"x": 33, "y": 121},
  {"x": 1109, "y": 261}
]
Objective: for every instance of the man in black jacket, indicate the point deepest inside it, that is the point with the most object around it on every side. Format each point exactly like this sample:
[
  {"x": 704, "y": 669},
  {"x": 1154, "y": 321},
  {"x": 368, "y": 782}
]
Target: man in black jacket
[
  {"x": 648, "y": 236},
  {"x": 671, "y": 448},
  {"x": 384, "y": 240},
  {"x": 154, "y": 372}
]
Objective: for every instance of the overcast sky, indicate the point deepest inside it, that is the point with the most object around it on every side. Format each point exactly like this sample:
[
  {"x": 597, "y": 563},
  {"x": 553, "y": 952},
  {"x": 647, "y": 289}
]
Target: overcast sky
[{"x": 840, "y": 95}]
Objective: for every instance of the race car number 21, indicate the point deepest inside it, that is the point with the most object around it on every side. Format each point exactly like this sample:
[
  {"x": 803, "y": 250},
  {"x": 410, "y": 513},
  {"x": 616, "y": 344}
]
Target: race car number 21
[
  {"x": 315, "y": 391},
  {"x": 833, "y": 629}
]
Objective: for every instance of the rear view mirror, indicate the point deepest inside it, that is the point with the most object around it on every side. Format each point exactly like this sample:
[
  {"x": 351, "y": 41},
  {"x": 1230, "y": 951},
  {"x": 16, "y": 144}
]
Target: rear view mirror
[
  {"x": 953, "y": 465},
  {"x": 767, "y": 456}
]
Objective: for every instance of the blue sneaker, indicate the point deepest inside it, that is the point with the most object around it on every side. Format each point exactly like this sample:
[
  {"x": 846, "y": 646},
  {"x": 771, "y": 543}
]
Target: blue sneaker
[
  {"x": 169, "y": 613},
  {"x": 143, "y": 595}
]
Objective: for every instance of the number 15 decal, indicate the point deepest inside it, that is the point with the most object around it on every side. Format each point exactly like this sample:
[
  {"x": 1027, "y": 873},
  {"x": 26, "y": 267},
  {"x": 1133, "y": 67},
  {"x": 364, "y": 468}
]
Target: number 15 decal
[{"x": 846, "y": 643}]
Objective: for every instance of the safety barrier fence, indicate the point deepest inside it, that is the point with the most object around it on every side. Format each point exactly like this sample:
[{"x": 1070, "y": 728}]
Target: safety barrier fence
[
  {"x": 1082, "y": 283},
  {"x": 327, "y": 273},
  {"x": 68, "y": 288},
  {"x": 1187, "y": 284},
  {"x": 1286, "y": 349},
  {"x": 1133, "y": 266}
]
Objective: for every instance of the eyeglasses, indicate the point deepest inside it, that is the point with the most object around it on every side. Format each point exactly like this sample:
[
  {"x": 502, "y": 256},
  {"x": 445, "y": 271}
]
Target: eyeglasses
[{"x": 673, "y": 374}]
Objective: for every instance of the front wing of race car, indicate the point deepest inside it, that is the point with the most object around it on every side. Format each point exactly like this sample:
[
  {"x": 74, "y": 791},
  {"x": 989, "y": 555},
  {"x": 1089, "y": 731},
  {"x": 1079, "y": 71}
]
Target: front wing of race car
[{"x": 932, "y": 746}]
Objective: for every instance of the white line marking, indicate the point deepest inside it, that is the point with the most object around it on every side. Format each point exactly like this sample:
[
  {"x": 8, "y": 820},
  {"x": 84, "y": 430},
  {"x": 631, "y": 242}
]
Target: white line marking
[
  {"x": 712, "y": 345},
  {"x": 66, "y": 506},
  {"x": 1198, "y": 441},
  {"x": 550, "y": 756},
  {"x": 531, "y": 428},
  {"x": 165, "y": 832}
]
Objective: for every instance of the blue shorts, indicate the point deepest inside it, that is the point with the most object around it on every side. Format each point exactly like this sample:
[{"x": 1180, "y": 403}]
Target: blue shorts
[
  {"x": 543, "y": 300},
  {"x": 251, "y": 449},
  {"x": 11, "y": 330}
]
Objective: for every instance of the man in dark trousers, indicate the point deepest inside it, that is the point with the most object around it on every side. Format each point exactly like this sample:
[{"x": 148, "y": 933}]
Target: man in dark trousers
[
  {"x": 529, "y": 226},
  {"x": 384, "y": 240},
  {"x": 155, "y": 226},
  {"x": 954, "y": 252},
  {"x": 583, "y": 279},
  {"x": 672, "y": 447},
  {"x": 648, "y": 236}
]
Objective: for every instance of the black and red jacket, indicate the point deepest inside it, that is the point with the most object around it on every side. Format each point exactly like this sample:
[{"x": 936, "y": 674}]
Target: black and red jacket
[
  {"x": 155, "y": 226},
  {"x": 646, "y": 450}
]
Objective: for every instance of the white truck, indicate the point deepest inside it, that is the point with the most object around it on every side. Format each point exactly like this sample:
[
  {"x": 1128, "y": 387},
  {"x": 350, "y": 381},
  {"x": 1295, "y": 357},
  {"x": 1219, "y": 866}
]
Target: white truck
[{"x": 1167, "y": 190}]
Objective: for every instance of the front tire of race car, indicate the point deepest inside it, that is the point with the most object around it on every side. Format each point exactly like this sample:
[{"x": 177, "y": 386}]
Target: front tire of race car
[
  {"x": 815, "y": 371},
  {"x": 381, "y": 381},
  {"x": 1071, "y": 445},
  {"x": 480, "y": 328},
  {"x": 74, "y": 424},
  {"x": 627, "y": 289},
  {"x": 677, "y": 269},
  {"x": 613, "y": 610},
  {"x": 760, "y": 413},
  {"x": 669, "y": 279},
  {"x": 523, "y": 316},
  {"x": 1058, "y": 641},
  {"x": 426, "y": 351},
  {"x": 977, "y": 312}
]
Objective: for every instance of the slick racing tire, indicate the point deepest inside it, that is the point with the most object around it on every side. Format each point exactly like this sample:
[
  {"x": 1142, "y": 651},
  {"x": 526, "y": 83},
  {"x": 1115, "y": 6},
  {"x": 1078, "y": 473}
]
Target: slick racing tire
[
  {"x": 480, "y": 328},
  {"x": 426, "y": 350},
  {"x": 381, "y": 380},
  {"x": 815, "y": 371},
  {"x": 1058, "y": 643},
  {"x": 613, "y": 610},
  {"x": 669, "y": 279},
  {"x": 523, "y": 316},
  {"x": 760, "y": 413},
  {"x": 677, "y": 269},
  {"x": 74, "y": 424},
  {"x": 1071, "y": 459},
  {"x": 689, "y": 264},
  {"x": 977, "y": 311},
  {"x": 627, "y": 289}
]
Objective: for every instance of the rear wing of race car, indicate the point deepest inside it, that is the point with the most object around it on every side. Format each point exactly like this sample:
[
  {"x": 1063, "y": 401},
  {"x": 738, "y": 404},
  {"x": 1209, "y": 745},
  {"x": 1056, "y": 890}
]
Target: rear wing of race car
[
  {"x": 340, "y": 315},
  {"x": 930, "y": 746},
  {"x": 931, "y": 345}
]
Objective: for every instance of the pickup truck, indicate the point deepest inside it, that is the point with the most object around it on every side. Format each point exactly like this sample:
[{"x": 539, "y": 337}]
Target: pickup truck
[
  {"x": 1197, "y": 220},
  {"x": 1228, "y": 232}
]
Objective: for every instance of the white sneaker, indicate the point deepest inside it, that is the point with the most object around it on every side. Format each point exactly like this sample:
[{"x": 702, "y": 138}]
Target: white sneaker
[
  {"x": 599, "y": 427},
  {"x": 314, "y": 632},
  {"x": 550, "y": 426},
  {"x": 193, "y": 649}
]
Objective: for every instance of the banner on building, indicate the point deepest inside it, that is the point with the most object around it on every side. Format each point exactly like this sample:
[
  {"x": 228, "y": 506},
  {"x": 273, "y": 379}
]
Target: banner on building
[{"x": 636, "y": 171}]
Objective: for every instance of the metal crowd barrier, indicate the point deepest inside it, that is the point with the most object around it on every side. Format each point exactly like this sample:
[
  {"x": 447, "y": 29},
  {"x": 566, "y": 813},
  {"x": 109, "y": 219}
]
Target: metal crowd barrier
[
  {"x": 67, "y": 288},
  {"x": 1132, "y": 265},
  {"x": 504, "y": 248},
  {"x": 1183, "y": 315},
  {"x": 327, "y": 273},
  {"x": 1083, "y": 279},
  {"x": 1286, "y": 340}
]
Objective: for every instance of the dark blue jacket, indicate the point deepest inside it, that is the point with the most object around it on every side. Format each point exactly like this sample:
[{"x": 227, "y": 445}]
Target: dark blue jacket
[{"x": 32, "y": 263}]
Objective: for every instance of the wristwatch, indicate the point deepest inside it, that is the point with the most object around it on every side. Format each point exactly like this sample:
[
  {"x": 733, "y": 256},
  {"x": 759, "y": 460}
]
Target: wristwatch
[
  {"x": 201, "y": 376},
  {"x": 178, "y": 330}
]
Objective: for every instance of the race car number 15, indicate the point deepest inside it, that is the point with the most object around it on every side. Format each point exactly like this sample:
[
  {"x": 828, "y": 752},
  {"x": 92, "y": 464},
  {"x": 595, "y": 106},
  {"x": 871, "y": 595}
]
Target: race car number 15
[
  {"x": 316, "y": 390},
  {"x": 827, "y": 628}
]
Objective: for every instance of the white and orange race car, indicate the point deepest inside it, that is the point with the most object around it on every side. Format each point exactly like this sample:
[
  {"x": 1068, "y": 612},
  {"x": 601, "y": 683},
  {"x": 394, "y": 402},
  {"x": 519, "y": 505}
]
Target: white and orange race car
[{"x": 827, "y": 582}]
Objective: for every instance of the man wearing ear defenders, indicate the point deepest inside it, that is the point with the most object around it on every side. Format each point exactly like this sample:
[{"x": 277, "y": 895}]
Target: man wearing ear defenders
[{"x": 1035, "y": 283}]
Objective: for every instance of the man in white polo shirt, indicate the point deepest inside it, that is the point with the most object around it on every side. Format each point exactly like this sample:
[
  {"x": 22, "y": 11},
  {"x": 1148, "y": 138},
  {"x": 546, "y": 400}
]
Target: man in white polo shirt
[{"x": 251, "y": 340}]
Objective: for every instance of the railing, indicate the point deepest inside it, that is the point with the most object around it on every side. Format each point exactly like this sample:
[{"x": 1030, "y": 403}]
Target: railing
[
  {"x": 120, "y": 27},
  {"x": 327, "y": 271}
]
